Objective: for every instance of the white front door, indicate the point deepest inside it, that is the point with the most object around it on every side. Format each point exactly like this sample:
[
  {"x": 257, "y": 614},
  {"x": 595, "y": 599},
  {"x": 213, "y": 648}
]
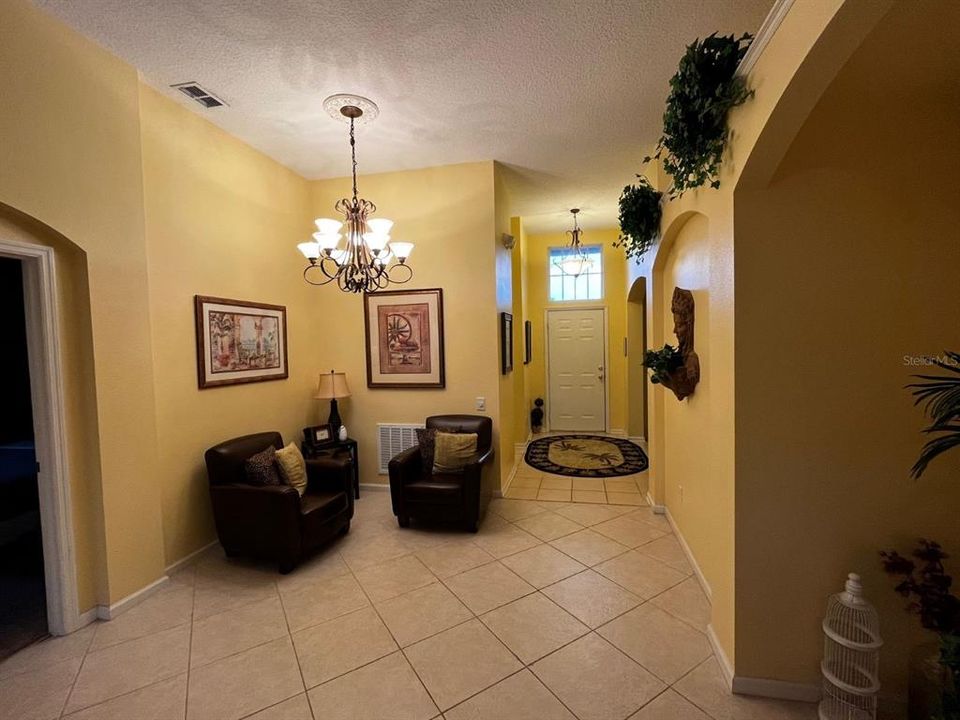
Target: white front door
[{"x": 575, "y": 347}]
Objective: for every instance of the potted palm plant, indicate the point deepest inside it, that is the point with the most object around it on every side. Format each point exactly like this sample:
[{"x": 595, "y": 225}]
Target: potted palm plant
[{"x": 935, "y": 671}]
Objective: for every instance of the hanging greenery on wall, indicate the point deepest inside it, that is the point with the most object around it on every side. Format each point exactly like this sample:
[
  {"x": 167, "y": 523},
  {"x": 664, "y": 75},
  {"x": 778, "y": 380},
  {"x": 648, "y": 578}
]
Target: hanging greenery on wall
[
  {"x": 702, "y": 92},
  {"x": 661, "y": 363},
  {"x": 640, "y": 213}
]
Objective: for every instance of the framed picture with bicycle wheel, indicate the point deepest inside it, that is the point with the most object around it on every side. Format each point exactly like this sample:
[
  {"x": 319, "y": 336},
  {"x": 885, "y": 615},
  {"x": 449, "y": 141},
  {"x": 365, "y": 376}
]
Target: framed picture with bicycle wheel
[{"x": 404, "y": 330}]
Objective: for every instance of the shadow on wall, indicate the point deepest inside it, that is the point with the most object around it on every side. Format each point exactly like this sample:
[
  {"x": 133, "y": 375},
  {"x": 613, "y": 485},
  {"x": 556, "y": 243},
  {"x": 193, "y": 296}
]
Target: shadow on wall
[{"x": 845, "y": 271}]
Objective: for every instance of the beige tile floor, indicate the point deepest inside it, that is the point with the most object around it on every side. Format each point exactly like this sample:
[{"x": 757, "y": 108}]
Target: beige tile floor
[
  {"x": 553, "y": 611},
  {"x": 532, "y": 484}
]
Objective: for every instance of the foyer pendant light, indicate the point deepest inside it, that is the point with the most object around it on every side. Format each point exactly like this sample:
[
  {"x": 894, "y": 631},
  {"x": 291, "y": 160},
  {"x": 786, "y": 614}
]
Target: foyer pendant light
[
  {"x": 368, "y": 259},
  {"x": 574, "y": 261}
]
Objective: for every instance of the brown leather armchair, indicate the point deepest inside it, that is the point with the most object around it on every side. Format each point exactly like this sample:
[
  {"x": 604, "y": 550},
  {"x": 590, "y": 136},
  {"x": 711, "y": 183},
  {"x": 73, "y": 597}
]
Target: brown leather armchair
[
  {"x": 273, "y": 522},
  {"x": 456, "y": 497}
]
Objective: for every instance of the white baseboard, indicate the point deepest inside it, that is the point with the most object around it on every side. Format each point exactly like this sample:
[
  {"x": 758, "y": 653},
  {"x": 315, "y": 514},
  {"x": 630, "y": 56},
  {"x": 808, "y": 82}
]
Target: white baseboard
[
  {"x": 519, "y": 452},
  {"x": 192, "y": 557},
  {"x": 377, "y": 487},
  {"x": 87, "y": 617},
  {"x": 657, "y": 509},
  {"x": 726, "y": 667},
  {"x": 777, "y": 689},
  {"x": 698, "y": 573},
  {"x": 108, "y": 612}
]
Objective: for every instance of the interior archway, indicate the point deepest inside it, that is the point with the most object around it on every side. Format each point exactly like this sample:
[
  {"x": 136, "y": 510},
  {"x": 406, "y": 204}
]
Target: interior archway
[
  {"x": 636, "y": 374},
  {"x": 862, "y": 198},
  {"x": 65, "y": 394}
]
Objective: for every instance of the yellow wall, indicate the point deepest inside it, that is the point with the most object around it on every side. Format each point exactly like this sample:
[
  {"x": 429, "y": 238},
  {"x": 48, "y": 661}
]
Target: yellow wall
[
  {"x": 697, "y": 448},
  {"x": 448, "y": 212},
  {"x": 509, "y": 300},
  {"x": 76, "y": 351},
  {"x": 844, "y": 269},
  {"x": 810, "y": 44},
  {"x": 221, "y": 219},
  {"x": 614, "y": 293},
  {"x": 71, "y": 160},
  {"x": 521, "y": 396}
]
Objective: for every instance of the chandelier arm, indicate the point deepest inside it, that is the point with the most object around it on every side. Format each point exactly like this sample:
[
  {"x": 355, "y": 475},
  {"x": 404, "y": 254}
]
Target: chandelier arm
[
  {"x": 306, "y": 275},
  {"x": 397, "y": 267},
  {"x": 359, "y": 268}
]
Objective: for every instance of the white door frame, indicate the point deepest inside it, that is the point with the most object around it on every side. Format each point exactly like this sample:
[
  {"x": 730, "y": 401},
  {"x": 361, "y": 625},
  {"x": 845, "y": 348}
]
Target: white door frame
[
  {"x": 49, "y": 422},
  {"x": 606, "y": 358}
]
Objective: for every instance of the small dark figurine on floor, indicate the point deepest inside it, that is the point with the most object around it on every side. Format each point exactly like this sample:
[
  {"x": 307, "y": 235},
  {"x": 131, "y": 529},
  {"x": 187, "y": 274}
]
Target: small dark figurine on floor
[{"x": 536, "y": 416}]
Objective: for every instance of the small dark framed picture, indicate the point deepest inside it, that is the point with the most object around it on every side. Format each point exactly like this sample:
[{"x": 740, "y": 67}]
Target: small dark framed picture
[
  {"x": 527, "y": 342},
  {"x": 506, "y": 343},
  {"x": 319, "y": 435}
]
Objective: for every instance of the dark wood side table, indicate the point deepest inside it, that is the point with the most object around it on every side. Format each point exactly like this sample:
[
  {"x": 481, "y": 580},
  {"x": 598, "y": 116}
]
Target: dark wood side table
[{"x": 333, "y": 449}]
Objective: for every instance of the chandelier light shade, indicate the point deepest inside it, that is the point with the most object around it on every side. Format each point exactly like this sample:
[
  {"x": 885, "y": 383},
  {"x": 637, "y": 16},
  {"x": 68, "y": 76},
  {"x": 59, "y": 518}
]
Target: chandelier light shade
[
  {"x": 357, "y": 253},
  {"x": 574, "y": 261}
]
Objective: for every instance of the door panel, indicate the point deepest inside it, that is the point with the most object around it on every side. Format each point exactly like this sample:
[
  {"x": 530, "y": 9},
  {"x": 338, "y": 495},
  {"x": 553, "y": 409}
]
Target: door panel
[{"x": 575, "y": 343}]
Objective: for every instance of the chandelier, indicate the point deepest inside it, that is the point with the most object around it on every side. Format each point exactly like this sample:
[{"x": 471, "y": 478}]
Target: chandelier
[
  {"x": 573, "y": 260},
  {"x": 368, "y": 260}
]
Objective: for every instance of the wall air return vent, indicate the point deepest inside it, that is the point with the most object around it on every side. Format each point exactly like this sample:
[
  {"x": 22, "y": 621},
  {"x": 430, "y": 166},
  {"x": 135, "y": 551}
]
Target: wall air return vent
[
  {"x": 393, "y": 439},
  {"x": 199, "y": 94}
]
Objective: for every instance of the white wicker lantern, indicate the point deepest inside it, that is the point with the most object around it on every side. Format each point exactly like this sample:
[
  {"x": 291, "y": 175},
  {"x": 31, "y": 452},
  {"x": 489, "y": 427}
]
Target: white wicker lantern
[{"x": 851, "y": 656}]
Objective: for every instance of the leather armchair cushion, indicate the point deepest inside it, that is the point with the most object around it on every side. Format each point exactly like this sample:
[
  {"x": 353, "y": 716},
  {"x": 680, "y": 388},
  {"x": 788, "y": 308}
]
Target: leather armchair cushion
[
  {"x": 439, "y": 487},
  {"x": 316, "y": 510},
  {"x": 323, "y": 505}
]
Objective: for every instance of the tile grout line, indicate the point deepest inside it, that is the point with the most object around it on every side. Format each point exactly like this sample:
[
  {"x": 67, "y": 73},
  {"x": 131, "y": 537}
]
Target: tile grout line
[
  {"x": 475, "y": 616},
  {"x": 668, "y": 686},
  {"x": 392, "y": 637},
  {"x": 73, "y": 685},
  {"x": 590, "y": 630},
  {"x": 193, "y": 609},
  {"x": 442, "y": 582}
]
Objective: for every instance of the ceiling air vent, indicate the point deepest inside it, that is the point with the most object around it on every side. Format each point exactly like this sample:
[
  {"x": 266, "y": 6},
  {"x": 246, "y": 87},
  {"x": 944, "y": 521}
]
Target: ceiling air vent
[{"x": 201, "y": 95}]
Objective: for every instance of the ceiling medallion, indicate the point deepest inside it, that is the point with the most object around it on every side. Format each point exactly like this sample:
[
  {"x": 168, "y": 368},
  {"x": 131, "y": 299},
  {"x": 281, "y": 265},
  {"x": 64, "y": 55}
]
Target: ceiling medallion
[
  {"x": 574, "y": 261},
  {"x": 362, "y": 263}
]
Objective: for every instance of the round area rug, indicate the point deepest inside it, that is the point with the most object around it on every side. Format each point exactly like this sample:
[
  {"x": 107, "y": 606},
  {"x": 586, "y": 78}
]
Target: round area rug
[{"x": 586, "y": 456}]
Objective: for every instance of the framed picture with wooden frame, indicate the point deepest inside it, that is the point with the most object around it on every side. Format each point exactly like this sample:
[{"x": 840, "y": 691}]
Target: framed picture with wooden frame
[
  {"x": 404, "y": 331},
  {"x": 527, "y": 342},
  {"x": 319, "y": 436},
  {"x": 239, "y": 341},
  {"x": 506, "y": 343}
]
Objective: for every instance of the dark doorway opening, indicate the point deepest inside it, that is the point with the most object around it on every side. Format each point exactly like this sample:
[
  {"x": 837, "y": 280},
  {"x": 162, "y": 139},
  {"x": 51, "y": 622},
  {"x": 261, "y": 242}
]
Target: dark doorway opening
[{"x": 23, "y": 601}]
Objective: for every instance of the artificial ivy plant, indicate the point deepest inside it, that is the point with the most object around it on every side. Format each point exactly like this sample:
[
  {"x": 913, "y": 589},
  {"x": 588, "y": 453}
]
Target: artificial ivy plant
[
  {"x": 640, "y": 213},
  {"x": 702, "y": 92},
  {"x": 662, "y": 362}
]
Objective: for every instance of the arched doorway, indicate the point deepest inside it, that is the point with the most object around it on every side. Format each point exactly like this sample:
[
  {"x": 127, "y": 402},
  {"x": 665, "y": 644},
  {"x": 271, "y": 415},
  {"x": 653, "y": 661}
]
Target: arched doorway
[
  {"x": 47, "y": 294},
  {"x": 636, "y": 375}
]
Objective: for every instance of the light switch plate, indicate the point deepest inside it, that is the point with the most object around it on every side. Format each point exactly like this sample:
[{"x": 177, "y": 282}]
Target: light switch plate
[{"x": 481, "y": 403}]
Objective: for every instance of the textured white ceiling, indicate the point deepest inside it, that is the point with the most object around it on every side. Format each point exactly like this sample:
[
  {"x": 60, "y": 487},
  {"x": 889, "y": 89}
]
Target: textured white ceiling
[{"x": 566, "y": 93}]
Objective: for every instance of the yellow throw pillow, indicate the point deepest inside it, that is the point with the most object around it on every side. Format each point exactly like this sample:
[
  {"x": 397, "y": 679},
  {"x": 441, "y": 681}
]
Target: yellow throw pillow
[
  {"x": 453, "y": 450},
  {"x": 293, "y": 469}
]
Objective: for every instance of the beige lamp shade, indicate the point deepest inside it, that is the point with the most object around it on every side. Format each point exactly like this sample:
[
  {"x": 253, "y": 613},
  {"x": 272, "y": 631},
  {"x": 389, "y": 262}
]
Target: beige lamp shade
[{"x": 332, "y": 385}]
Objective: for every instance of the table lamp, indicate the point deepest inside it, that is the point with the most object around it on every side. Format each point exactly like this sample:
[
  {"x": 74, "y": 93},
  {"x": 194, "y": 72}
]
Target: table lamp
[{"x": 333, "y": 385}]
